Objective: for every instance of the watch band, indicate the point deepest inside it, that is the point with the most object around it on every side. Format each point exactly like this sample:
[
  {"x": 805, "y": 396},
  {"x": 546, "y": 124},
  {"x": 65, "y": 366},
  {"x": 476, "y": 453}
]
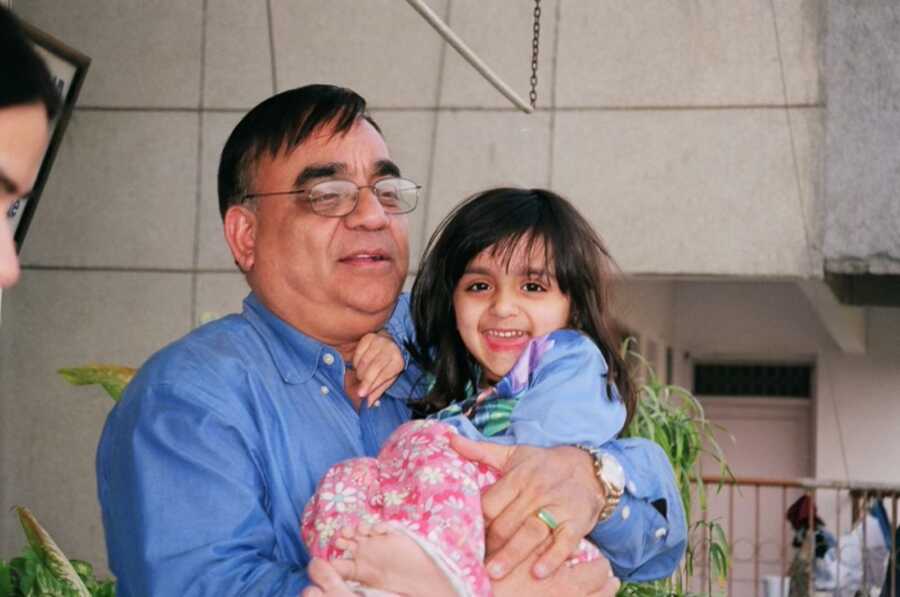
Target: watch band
[{"x": 613, "y": 493}]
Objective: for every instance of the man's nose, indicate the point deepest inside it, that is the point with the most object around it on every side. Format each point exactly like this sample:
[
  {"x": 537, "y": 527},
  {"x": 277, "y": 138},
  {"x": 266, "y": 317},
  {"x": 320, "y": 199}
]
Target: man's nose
[{"x": 369, "y": 212}]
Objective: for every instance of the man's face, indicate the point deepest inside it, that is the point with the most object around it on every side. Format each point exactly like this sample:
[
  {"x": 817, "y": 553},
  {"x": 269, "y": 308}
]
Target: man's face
[
  {"x": 333, "y": 278},
  {"x": 23, "y": 139}
]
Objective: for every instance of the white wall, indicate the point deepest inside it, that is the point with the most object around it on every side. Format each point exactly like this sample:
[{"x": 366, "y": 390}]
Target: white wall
[
  {"x": 859, "y": 400},
  {"x": 856, "y": 405}
]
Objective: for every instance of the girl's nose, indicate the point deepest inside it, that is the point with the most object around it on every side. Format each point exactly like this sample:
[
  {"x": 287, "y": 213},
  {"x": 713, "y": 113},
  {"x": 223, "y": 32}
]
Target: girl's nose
[{"x": 504, "y": 304}]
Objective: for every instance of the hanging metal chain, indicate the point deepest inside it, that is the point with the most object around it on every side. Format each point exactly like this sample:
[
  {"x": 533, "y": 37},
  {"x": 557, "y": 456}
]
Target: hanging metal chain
[{"x": 535, "y": 41}]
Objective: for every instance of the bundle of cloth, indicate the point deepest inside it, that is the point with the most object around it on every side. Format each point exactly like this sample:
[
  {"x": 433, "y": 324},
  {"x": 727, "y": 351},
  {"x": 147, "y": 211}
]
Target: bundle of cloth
[{"x": 854, "y": 563}]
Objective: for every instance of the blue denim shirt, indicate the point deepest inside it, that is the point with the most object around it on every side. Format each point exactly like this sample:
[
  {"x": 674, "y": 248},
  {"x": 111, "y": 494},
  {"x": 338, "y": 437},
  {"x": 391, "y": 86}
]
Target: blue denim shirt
[{"x": 205, "y": 465}]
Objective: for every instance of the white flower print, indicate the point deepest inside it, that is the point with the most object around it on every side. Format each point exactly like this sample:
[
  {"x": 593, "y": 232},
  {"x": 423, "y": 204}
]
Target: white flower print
[
  {"x": 341, "y": 499},
  {"x": 455, "y": 503},
  {"x": 432, "y": 507},
  {"x": 394, "y": 497},
  {"x": 469, "y": 486},
  {"x": 326, "y": 529},
  {"x": 486, "y": 478},
  {"x": 431, "y": 475},
  {"x": 410, "y": 524},
  {"x": 369, "y": 518}
]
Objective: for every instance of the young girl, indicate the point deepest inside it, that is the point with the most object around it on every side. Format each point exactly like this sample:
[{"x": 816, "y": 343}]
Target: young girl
[{"x": 512, "y": 326}]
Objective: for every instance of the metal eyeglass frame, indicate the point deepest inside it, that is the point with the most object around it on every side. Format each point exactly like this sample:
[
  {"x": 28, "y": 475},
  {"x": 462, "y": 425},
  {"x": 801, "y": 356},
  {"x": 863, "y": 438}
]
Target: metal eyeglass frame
[{"x": 417, "y": 187}]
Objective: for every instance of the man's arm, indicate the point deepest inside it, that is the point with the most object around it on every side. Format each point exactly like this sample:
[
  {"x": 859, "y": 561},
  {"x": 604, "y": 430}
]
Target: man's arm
[
  {"x": 646, "y": 536},
  {"x": 184, "y": 501},
  {"x": 566, "y": 403}
]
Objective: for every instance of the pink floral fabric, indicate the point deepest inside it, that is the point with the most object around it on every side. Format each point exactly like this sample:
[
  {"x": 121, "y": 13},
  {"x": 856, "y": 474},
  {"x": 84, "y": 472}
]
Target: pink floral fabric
[{"x": 424, "y": 488}]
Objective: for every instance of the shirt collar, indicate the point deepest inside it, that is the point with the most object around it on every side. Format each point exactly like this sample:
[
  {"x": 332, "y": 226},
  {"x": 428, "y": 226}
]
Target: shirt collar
[{"x": 295, "y": 354}]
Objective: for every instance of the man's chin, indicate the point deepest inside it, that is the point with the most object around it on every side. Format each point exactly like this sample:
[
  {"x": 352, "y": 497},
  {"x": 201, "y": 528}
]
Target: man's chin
[{"x": 371, "y": 301}]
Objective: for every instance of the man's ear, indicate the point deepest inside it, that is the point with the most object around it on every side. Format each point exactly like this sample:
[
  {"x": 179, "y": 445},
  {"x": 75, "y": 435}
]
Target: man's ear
[{"x": 240, "y": 234}]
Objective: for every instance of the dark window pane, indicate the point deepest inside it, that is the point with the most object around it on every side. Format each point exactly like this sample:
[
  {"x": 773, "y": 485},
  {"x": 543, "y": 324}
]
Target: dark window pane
[{"x": 756, "y": 379}]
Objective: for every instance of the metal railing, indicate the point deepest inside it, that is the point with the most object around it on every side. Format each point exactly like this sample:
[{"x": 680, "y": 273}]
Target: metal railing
[{"x": 752, "y": 512}]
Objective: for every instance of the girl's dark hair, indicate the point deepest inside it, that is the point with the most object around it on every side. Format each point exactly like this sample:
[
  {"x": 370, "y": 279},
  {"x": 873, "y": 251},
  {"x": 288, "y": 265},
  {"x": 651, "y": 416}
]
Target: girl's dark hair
[{"x": 497, "y": 219}]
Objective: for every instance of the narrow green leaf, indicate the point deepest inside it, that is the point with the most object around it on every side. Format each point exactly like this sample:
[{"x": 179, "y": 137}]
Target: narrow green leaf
[
  {"x": 6, "y": 581},
  {"x": 56, "y": 561},
  {"x": 112, "y": 378}
]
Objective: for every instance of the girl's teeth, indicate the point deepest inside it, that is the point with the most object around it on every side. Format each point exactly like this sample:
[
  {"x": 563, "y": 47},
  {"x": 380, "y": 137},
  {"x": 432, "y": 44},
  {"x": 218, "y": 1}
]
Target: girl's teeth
[{"x": 506, "y": 334}]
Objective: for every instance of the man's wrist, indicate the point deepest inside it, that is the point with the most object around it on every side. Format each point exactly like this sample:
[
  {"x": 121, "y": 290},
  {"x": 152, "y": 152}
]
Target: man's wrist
[{"x": 610, "y": 481}]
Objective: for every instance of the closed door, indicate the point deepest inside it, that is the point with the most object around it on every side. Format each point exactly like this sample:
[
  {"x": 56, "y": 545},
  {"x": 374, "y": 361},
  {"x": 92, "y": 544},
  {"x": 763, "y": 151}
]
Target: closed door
[{"x": 772, "y": 440}]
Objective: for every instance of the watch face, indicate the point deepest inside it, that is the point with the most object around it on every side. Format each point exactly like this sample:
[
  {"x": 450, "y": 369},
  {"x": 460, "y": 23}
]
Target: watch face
[{"x": 613, "y": 472}]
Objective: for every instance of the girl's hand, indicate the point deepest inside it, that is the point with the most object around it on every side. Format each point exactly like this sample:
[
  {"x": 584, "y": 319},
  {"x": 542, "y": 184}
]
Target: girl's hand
[{"x": 377, "y": 362}]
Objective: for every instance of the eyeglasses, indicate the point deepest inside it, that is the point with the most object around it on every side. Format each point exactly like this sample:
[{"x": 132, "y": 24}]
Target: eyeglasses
[{"x": 337, "y": 198}]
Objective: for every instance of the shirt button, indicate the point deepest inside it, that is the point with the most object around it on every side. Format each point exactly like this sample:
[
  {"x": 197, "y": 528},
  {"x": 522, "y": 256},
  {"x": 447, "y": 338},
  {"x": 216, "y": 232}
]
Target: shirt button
[
  {"x": 328, "y": 358},
  {"x": 660, "y": 533},
  {"x": 626, "y": 512},
  {"x": 632, "y": 488},
  {"x": 324, "y": 390}
]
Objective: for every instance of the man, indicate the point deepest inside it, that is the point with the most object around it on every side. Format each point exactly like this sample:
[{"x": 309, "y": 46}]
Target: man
[
  {"x": 205, "y": 466},
  {"x": 28, "y": 101}
]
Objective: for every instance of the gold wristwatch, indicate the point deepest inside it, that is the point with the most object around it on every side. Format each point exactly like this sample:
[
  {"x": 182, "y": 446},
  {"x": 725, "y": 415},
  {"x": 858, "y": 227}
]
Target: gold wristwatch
[{"x": 611, "y": 476}]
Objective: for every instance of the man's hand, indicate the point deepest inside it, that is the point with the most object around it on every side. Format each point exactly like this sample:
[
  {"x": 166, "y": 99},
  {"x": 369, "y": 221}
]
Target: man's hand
[
  {"x": 560, "y": 481},
  {"x": 591, "y": 579},
  {"x": 377, "y": 362}
]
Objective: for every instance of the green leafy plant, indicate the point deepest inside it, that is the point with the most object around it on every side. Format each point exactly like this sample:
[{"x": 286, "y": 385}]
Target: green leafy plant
[
  {"x": 43, "y": 570},
  {"x": 672, "y": 417}
]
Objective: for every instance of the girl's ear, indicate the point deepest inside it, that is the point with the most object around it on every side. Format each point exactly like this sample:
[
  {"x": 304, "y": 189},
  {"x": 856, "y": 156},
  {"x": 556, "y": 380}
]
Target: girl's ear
[{"x": 240, "y": 234}]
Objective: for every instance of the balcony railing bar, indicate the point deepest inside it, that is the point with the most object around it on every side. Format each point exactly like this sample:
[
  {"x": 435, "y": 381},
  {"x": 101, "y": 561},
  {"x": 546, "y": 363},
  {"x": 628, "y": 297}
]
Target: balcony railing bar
[
  {"x": 807, "y": 483},
  {"x": 838, "y": 530},
  {"x": 811, "y": 556},
  {"x": 894, "y": 548},
  {"x": 756, "y": 551},
  {"x": 783, "y": 541},
  {"x": 730, "y": 531},
  {"x": 865, "y": 569}
]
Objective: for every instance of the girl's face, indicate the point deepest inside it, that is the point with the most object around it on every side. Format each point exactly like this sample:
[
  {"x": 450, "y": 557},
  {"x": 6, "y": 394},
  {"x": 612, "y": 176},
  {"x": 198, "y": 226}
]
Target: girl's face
[{"x": 499, "y": 309}]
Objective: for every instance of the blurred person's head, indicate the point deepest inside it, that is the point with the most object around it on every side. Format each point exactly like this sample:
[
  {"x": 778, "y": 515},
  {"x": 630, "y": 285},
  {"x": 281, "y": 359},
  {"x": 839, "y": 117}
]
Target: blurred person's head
[{"x": 28, "y": 100}]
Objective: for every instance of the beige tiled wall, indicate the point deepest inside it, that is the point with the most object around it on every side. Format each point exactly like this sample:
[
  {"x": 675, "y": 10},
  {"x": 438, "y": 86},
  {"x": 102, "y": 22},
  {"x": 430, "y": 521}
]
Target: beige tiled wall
[
  {"x": 664, "y": 121},
  {"x": 687, "y": 192},
  {"x": 123, "y": 193}
]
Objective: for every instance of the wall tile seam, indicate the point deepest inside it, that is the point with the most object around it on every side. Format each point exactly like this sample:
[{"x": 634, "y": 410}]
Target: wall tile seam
[
  {"x": 198, "y": 202},
  {"x": 114, "y": 269},
  {"x": 429, "y": 109},
  {"x": 274, "y": 71},
  {"x": 554, "y": 82}
]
